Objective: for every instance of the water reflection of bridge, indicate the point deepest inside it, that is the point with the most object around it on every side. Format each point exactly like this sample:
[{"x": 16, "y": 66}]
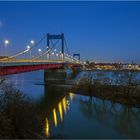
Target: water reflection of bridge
[
  {"x": 122, "y": 119},
  {"x": 57, "y": 103}
]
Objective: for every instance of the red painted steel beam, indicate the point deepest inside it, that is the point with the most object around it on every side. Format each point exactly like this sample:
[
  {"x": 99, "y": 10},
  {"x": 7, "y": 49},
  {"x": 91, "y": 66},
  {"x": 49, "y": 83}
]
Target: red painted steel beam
[{"x": 8, "y": 70}]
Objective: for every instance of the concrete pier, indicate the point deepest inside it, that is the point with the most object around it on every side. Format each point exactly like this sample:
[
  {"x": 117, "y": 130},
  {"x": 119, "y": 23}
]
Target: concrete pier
[{"x": 53, "y": 77}]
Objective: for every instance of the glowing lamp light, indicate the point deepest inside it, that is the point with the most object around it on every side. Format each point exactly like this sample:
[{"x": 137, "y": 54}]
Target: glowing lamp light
[
  {"x": 28, "y": 47},
  {"x": 32, "y": 41},
  {"x": 6, "y": 42},
  {"x": 39, "y": 50}
]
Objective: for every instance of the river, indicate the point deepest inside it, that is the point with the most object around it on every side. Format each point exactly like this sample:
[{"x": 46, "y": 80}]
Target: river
[{"x": 71, "y": 115}]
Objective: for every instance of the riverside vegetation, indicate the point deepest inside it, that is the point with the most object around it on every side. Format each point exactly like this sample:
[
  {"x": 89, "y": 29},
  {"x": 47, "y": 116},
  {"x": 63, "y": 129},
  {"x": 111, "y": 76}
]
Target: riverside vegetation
[
  {"x": 20, "y": 117},
  {"x": 117, "y": 86},
  {"x": 18, "y": 114}
]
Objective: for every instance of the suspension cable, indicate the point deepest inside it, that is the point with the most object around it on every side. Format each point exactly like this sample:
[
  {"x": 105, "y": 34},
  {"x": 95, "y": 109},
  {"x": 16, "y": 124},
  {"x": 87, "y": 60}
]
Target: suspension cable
[
  {"x": 27, "y": 50},
  {"x": 66, "y": 46},
  {"x": 47, "y": 50}
]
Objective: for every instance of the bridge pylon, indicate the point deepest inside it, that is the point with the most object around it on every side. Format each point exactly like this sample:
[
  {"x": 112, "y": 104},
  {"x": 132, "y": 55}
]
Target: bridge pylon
[{"x": 56, "y": 37}]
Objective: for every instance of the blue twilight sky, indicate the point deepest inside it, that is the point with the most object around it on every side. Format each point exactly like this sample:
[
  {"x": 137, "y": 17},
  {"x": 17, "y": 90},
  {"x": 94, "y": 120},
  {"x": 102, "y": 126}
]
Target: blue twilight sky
[{"x": 100, "y": 31}]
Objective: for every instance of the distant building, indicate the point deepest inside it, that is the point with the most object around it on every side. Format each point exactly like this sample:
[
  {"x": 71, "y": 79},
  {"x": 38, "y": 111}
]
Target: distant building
[
  {"x": 104, "y": 66},
  {"x": 131, "y": 66},
  {"x": 113, "y": 66}
]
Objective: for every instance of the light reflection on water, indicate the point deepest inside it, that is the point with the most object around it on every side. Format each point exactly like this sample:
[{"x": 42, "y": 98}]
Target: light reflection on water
[
  {"x": 94, "y": 118},
  {"x": 76, "y": 116},
  {"x": 58, "y": 112}
]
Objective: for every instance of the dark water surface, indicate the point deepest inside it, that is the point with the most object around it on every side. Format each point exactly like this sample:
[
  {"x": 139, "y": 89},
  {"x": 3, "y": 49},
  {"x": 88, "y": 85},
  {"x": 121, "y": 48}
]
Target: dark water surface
[{"x": 71, "y": 115}]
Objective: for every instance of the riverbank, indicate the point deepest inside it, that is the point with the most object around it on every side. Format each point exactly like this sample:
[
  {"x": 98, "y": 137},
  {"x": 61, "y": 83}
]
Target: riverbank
[
  {"x": 19, "y": 117},
  {"x": 111, "y": 93},
  {"x": 33, "y": 117},
  {"x": 121, "y": 86}
]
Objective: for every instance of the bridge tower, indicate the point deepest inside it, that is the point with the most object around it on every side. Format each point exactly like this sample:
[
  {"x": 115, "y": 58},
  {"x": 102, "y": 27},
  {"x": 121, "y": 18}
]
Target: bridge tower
[{"x": 51, "y": 37}]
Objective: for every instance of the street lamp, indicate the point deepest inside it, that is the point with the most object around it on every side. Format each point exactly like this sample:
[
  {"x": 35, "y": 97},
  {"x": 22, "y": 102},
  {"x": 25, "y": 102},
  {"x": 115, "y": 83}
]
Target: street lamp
[
  {"x": 52, "y": 54},
  {"x": 57, "y": 56},
  {"x": 48, "y": 52},
  {"x": 39, "y": 51},
  {"x": 6, "y": 42},
  {"x": 32, "y": 42},
  {"x": 62, "y": 55},
  {"x": 29, "y": 49}
]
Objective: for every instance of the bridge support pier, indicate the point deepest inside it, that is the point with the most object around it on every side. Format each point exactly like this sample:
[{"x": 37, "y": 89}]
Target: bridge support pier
[
  {"x": 55, "y": 77},
  {"x": 75, "y": 72}
]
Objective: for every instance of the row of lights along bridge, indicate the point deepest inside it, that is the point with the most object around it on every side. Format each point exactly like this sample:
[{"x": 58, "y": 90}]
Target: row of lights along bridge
[{"x": 28, "y": 48}]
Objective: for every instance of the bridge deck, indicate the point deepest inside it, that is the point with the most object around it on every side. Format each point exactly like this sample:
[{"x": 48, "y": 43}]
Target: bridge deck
[
  {"x": 21, "y": 62},
  {"x": 15, "y": 66}
]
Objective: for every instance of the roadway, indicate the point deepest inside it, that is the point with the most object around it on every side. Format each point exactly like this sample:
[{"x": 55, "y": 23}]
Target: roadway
[{"x": 21, "y": 62}]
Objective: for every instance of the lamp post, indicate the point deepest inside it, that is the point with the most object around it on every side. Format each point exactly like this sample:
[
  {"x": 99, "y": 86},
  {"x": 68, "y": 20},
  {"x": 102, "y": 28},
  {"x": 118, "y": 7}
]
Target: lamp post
[
  {"x": 48, "y": 54},
  {"x": 57, "y": 56},
  {"x": 6, "y": 42},
  {"x": 28, "y": 49},
  {"x": 55, "y": 53},
  {"x": 52, "y": 54},
  {"x": 39, "y": 51},
  {"x": 32, "y": 43},
  {"x": 61, "y": 56}
]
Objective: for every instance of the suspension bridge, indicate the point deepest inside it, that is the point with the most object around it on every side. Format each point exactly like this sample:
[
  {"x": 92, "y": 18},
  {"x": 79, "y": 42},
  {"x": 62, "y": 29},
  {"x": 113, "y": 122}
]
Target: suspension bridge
[{"x": 50, "y": 52}]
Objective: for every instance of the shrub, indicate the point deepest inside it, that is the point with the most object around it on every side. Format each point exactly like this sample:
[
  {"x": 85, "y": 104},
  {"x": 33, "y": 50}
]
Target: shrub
[{"x": 18, "y": 114}]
